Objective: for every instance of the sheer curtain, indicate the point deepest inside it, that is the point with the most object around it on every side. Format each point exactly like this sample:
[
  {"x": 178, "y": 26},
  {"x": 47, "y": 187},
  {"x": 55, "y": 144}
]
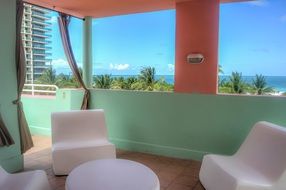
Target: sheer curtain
[
  {"x": 5, "y": 137},
  {"x": 64, "y": 21},
  {"x": 25, "y": 135}
]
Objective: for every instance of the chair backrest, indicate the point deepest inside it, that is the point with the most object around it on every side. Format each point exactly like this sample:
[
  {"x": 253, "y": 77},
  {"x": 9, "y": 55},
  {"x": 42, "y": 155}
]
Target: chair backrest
[
  {"x": 78, "y": 125},
  {"x": 265, "y": 149}
]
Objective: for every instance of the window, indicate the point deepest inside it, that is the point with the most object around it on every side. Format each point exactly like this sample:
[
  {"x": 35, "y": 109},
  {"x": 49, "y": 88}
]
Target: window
[
  {"x": 252, "y": 48},
  {"x": 125, "y": 45}
]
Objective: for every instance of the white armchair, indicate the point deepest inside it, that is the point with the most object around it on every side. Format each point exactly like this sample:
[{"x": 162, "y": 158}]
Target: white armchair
[
  {"x": 259, "y": 164},
  {"x": 31, "y": 180},
  {"x": 78, "y": 137}
]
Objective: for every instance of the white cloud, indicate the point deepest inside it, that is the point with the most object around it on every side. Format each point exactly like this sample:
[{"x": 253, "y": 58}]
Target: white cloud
[
  {"x": 54, "y": 19},
  {"x": 283, "y": 18},
  {"x": 59, "y": 63},
  {"x": 62, "y": 63},
  {"x": 259, "y": 3},
  {"x": 119, "y": 67},
  {"x": 171, "y": 67}
]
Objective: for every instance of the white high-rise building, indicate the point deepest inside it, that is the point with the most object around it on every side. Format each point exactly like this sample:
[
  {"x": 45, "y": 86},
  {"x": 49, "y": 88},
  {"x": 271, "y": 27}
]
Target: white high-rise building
[{"x": 36, "y": 31}]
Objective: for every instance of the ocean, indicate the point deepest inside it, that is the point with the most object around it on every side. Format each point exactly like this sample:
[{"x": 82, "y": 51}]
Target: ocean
[{"x": 276, "y": 82}]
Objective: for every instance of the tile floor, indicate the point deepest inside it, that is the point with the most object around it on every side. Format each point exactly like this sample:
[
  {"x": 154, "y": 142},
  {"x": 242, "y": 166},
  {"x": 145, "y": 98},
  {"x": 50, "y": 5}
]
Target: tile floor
[{"x": 174, "y": 174}]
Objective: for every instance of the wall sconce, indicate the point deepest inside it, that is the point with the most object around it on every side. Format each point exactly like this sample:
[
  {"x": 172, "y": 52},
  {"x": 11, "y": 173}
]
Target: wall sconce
[{"x": 195, "y": 58}]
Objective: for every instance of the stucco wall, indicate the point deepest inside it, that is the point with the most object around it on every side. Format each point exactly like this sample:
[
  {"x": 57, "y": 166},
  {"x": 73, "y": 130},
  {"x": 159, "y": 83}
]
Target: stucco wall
[
  {"x": 10, "y": 157},
  {"x": 172, "y": 124}
]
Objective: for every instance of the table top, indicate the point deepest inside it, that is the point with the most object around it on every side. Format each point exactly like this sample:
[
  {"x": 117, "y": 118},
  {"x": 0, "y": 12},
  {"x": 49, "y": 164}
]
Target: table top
[{"x": 112, "y": 174}]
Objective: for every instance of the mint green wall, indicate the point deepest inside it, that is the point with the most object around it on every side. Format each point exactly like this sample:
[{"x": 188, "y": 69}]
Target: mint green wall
[
  {"x": 38, "y": 109},
  {"x": 184, "y": 125},
  {"x": 10, "y": 157},
  {"x": 171, "y": 124}
]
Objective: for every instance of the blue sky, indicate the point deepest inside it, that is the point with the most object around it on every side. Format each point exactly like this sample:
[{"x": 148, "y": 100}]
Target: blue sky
[{"x": 252, "y": 40}]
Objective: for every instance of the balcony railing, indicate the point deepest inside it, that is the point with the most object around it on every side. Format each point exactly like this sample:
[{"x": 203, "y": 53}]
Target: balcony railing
[
  {"x": 40, "y": 89},
  {"x": 42, "y": 35},
  {"x": 41, "y": 41},
  {"x": 42, "y": 47},
  {"x": 41, "y": 15},
  {"x": 40, "y": 9},
  {"x": 44, "y": 29},
  {"x": 42, "y": 23}
]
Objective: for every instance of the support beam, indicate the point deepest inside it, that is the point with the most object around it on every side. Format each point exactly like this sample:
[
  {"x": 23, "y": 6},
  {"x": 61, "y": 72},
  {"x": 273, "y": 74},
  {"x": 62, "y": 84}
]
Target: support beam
[
  {"x": 197, "y": 25},
  {"x": 87, "y": 52}
]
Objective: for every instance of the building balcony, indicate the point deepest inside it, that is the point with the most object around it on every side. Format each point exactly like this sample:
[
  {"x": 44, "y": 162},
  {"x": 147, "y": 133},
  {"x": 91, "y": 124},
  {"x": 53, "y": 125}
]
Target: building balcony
[
  {"x": 39, "y": 19},
  {"x": 42, "y": 35},
  {"x": 40, "y": 9},
  {"x": 44, "y": 29},
  {"x": 42, "y": 41},
  {"x": 41, "y": 23},
  {"x": 27, "y": 12},
  {"x": 42, "y": 47},
  {"x": 42, "y": 60},
  {"x": 29, "y": 33},
  {"x": 41, "y": 66},
  {"x": 41, "y": 16},
  {"x": 38, "y": 73},
  {"x": 28, "y": 45},
  {"x": 42, "y": 54},
  {"x": 27, "y": 19}
]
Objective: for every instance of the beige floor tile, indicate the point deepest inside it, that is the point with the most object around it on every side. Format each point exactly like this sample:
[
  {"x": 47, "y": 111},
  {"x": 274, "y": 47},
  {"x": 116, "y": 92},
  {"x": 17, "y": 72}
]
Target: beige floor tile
[{"x": 173, "y": 173}]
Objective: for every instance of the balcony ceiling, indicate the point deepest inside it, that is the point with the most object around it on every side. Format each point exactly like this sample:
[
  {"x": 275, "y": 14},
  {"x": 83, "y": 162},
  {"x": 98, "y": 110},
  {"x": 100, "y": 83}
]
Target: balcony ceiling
[{"x": 104, "y": 8}]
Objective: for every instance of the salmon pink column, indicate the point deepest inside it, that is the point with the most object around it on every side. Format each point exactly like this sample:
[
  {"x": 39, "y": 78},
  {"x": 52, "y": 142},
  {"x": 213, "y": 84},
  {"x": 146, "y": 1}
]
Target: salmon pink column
[{"x": 197, "y": 25}]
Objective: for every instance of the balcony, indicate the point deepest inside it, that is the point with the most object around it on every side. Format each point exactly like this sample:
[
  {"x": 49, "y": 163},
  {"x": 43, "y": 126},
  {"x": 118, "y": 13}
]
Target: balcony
[
  {"x": 40, "y": 9},
  {"x": 169, "y": 132},
  {"x": 43, "y": 29},
  {"x": 41, "y": 15},
  {"x": 157, "y": 123},
  {"x": 40, "y": 22},
  {"x": 39, "y": 47},
  {"x": 42, "y": 41},
  {"x": 41, "y": 35},
  {"x": 42, "y": 54}
]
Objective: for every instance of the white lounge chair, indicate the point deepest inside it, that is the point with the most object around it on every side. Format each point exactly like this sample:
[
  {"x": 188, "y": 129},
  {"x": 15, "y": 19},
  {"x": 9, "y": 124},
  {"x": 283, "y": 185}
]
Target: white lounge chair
[
  {"x": 259, "y": 164},
  {"x": 31, "y": 180},
  {"x": 78, "y": 137}
]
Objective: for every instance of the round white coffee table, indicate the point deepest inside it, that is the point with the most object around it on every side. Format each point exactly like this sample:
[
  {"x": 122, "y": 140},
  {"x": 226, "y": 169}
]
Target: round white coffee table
[{"x": 112, "y": 174}]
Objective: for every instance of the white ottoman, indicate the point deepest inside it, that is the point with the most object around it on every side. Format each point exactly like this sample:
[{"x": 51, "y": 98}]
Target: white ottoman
[{"x": 112, "y": 174}]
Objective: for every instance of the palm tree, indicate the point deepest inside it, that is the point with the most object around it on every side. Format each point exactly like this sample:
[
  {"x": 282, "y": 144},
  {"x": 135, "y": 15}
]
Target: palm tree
[
  {"x": 103, "y": 81},
  {"x": 48, "y": 77},
  {"x": 73, "y": 82},
  {"x": 220, "y": 70},
  {"x": 130, "y": 81},
  {"x": 162, "y": 85},
  {"x": 118, "y": 83},
  {"x": 260, "y": 85},
  {"x": 147, "y": 76},
  {"x": 236, "y": 82},
  {"x": 221, "y": 82}
]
